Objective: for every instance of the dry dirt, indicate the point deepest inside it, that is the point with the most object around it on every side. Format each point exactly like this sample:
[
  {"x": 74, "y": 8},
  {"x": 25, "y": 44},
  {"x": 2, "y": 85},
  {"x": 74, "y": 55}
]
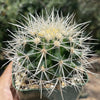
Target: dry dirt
[{"x": 92, "y": 88}]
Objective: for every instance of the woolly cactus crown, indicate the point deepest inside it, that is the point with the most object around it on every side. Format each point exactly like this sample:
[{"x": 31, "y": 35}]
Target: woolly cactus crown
[{"x": 49, "y": 50}]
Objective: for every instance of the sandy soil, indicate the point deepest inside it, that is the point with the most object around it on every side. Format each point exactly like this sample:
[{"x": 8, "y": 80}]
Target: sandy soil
[{"x": 92, "y": 88}]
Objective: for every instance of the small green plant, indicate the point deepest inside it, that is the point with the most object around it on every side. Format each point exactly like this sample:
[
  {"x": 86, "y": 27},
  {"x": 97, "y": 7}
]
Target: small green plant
[{"x": 49, "y": 52}]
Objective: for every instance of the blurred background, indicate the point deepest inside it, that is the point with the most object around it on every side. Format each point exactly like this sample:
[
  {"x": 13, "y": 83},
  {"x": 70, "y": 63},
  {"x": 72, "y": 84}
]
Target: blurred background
[{"x": 85, "y": 10}]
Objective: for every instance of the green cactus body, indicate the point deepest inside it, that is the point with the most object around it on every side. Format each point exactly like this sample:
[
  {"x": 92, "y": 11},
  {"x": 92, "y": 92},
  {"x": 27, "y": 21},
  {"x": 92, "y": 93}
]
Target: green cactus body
[{"x": 49, "y": 53}]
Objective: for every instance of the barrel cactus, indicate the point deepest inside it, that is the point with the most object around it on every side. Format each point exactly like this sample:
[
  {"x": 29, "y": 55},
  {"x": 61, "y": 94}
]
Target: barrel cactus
[{"x": 49, "y": 52}]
